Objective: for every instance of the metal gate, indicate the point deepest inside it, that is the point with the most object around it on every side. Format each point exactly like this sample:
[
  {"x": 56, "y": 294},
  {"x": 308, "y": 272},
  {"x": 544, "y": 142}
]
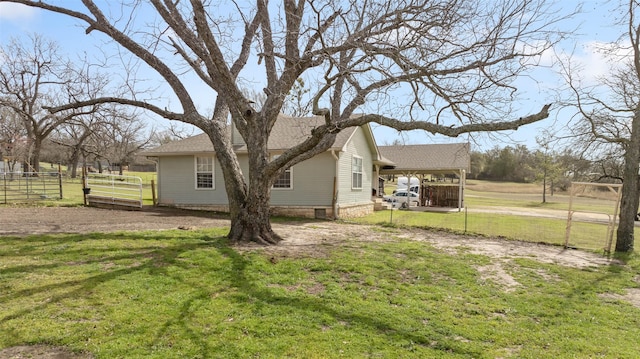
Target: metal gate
[
  {"x": 113, "y": 190},
  {"x": 19, "y": 187}
]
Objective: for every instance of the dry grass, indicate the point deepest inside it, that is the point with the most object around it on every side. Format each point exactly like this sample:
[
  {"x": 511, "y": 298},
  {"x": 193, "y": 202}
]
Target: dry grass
[{"x": 504, "y": 187}]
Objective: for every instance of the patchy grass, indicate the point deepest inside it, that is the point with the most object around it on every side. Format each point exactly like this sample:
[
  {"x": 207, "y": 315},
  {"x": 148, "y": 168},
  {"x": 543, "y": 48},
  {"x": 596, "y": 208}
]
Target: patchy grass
[
  {"x": 486, "y": 199},
  {"x": 584, "y": 235},
  {"x": 188, "y": 294}
]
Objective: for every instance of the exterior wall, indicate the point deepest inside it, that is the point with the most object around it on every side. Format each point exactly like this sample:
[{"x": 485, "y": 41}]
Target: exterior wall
[
  {"x": 302, "y": 211},
  {"x": 291, "y": 211},
  {"x": 311, "y": 195},
  {"x": 177, "y": 184},
  {"x": 312, "y": 183},
  {"x": 347, "y": 196}
]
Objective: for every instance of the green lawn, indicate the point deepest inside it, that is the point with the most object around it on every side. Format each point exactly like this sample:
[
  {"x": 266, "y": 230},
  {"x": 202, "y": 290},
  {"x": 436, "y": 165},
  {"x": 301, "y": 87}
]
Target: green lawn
[{"x": 188, "y": 294}]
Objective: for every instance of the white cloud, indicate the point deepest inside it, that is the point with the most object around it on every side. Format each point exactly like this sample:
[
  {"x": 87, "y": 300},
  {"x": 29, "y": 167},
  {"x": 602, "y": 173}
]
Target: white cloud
[
  {"x": 16, "y": 12},
  {"x": 599, "y": 59}
]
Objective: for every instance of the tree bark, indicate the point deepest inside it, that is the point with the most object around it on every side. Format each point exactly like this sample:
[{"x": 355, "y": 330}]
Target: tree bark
[
  {"x": 73, "y": 161},
  {"x": 544, "y": 187},
  {"x": 629, "y": 204},
  {"x": 250, "y": 220},
  {"x": 249, "y": 204},
  {"x": 34, "y": 159}
]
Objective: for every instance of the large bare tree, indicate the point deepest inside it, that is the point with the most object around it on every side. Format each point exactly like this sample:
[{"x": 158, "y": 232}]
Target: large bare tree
[
  {"x": 123, "y": 136},
  {"x": 12, "y": 138},
  {"x": 446, "y": 67},
  {"x": 35, "y": 75},
  {"x": 609, "y": 117}
]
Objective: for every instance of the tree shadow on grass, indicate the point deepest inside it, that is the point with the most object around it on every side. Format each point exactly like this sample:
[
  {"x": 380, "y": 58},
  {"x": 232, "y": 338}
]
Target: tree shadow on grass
[
  {"x": 311, "y": 304},
  {"x": 154, "y": 255},
  {"x": 159, "y": 256}
]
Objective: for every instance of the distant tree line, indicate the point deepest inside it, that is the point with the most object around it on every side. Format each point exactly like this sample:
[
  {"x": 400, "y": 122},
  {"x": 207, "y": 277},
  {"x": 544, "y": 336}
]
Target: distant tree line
[{"x": 519, "y": 164}]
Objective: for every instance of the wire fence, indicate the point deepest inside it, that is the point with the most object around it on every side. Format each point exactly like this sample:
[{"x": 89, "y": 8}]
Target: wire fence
[{"x": 586, "y": 233}]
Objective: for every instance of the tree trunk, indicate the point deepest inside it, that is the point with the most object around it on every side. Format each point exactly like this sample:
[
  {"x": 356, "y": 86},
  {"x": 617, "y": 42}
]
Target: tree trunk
[
  {"x": 544, "y": 187},
  {"x": 73, "y": 162},
  {"x": 250, "y": 220},
  {"x": 35, "y": 157},
  {"x": 249, "y": 206},
  {"x": 629, "y": 205}
]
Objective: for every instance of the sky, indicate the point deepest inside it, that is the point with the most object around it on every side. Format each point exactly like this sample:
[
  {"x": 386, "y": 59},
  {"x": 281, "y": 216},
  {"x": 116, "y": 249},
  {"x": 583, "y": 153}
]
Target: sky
[{"x": 593, "y": 24}]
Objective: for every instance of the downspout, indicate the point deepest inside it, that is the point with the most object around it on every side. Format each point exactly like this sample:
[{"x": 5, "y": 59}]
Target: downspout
[{"x": 334, "y": 199}]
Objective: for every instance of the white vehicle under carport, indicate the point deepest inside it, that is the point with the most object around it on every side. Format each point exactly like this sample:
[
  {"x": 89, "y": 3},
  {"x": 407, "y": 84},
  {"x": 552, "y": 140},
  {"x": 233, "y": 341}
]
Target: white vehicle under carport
[{"x": 403, "y": 199}]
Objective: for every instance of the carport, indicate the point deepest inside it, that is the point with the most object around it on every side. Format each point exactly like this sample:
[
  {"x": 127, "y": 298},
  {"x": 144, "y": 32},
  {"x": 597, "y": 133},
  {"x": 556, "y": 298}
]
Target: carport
[{"x": 431, "y": 164}]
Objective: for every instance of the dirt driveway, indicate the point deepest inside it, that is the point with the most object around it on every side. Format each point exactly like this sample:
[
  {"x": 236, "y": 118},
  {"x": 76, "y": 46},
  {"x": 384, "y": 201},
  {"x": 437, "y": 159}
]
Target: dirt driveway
[{"x": 22, "y": 221}]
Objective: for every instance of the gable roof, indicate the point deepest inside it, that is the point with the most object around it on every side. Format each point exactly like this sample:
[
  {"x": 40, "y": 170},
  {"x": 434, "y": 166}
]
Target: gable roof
[
  {"x": 431, "y": 159},
  {"x": 287, "y": 132}
]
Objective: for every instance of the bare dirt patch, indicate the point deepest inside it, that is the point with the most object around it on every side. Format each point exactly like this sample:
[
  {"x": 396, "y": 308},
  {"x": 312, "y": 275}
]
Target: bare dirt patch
[
  {"x": 41, "y": 352},
  {"x": 22, "y": 221},
  {"x": 496, "y": 273},
  {"x": 631, "y": 296}
]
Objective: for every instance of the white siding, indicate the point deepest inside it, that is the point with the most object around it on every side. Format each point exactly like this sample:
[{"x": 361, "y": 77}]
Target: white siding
[
  {"x": 312, "y": 183},
  {"x": 176, "y": 183},
  {"x": 358, "y": 146},
  {"x": 313, "y": 180}
]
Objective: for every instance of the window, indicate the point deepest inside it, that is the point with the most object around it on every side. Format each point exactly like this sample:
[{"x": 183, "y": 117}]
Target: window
[
  {"x": 356, "y": 172},
  {"x": 204, "y": 172},
  {"x": 285, "y": 180}
]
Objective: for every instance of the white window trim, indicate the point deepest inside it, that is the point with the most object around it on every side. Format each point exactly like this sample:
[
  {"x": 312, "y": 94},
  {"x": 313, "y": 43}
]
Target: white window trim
[
  {"x": 195, "y": 173},
  {"x": 361, "y": 173},
  {"x": 290, "y": 169}
]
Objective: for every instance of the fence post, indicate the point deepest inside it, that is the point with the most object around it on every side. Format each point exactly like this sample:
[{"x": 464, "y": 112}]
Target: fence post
[
  {"x": 84, "y": 185},
  {"x": 60, "y": 179},
  {"x": 466, "y": 215},
  {"x": 60, "y": 183},
  {"x": 153, "y": 193}
]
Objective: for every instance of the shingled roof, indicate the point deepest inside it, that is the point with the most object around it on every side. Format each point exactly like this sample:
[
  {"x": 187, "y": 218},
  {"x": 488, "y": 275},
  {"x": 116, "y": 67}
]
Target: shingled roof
[
  {"x": 287, "y": 132},
  {"x": 432, "y": 159}
]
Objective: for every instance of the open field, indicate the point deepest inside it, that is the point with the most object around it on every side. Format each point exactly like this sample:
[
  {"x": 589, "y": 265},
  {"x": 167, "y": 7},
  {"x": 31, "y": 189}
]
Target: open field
[{"x": 329, "y": 290}]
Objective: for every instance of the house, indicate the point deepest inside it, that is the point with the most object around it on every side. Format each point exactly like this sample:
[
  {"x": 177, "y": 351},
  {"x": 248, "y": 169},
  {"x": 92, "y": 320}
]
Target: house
[{"x": 336, "y": 183}]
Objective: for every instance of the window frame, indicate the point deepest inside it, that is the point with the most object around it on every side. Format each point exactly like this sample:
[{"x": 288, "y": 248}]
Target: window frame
[
  {"x": 198, "y": 171},
  {"x": 284, "y": 173},
  {"x": 357, "y": 174}
]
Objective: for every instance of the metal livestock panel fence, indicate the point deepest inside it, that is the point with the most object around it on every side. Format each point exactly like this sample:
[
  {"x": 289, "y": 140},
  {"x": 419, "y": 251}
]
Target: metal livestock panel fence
[
  {"x": 17, "y": 187},
  {"x": 113, "y": 190}
]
